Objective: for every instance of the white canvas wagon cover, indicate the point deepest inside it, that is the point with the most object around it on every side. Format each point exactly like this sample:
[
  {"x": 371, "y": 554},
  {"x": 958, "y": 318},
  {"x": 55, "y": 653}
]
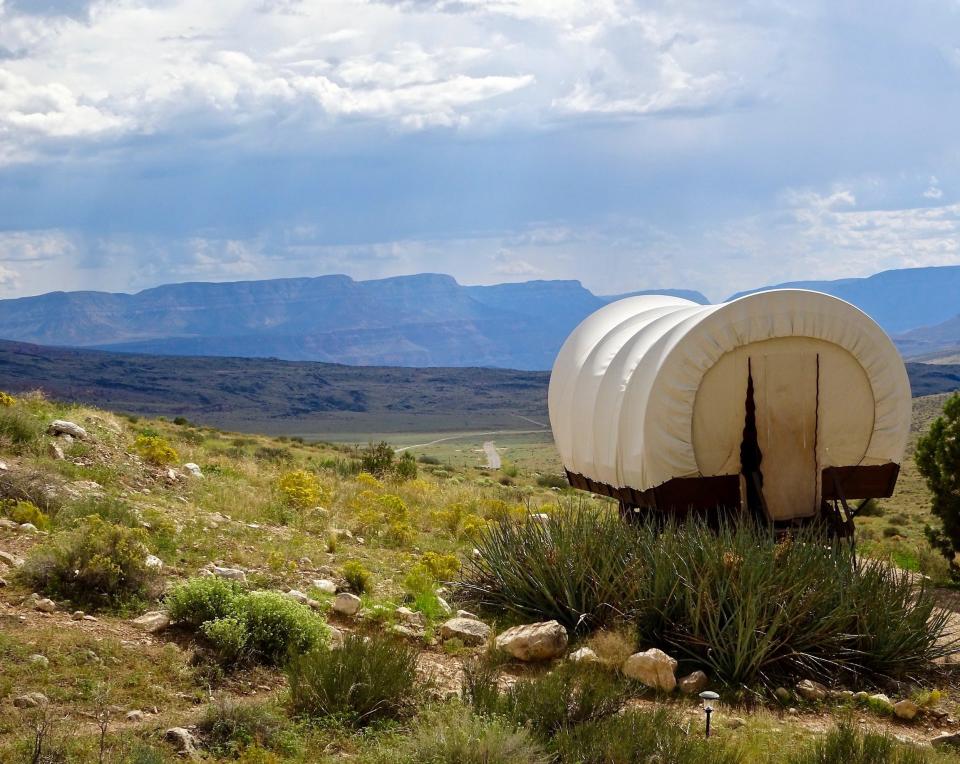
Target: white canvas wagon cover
[{"x": 652, "y": 392}]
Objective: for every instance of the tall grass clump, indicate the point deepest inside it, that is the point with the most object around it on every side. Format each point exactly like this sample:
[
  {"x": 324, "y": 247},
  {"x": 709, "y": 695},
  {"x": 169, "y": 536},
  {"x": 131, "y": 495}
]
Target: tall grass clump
[
  {"x": 845, "y": 744},
  {"x": 578, "y": 567},
  {"x": 743, "y": 604},
  {"x": 362, "y": 682},
  {"x": 18, "y": 427}
]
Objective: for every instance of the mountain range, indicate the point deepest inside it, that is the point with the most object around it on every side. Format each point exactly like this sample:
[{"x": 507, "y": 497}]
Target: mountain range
[{"x": 424, "y": 320}]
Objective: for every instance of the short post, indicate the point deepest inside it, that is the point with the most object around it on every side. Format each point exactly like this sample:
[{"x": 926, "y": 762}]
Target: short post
[{"x": 707, "y": 696}]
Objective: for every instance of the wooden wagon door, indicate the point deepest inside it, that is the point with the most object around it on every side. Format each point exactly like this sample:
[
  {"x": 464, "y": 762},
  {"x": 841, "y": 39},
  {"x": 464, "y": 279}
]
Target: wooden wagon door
[{"x": 785, "y": 389}]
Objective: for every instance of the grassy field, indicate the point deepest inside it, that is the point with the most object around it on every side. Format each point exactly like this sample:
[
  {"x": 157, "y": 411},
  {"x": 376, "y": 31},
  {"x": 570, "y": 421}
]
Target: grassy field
[{"x": 239, "y": 515}]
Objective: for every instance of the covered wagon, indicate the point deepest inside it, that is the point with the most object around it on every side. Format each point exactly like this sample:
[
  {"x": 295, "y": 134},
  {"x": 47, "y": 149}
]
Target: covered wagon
[{"x": 782, "y": 404}]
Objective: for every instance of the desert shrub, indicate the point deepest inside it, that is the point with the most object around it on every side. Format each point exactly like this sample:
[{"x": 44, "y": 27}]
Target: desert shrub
[
  {"x": 510, "y": 470},
  {"x": 300, "y": 489},
  {"x": 406, "y": 467},
  {"x": 552, "y": 481},
  {"x": 95, "y": 564},
  {"x": 420, "y": 587},
  {"x": 24, "y": 512},
  {"x": 871, "y": 508},
  {"x": 155, "y": 449},
  {"x": 377, "y": 458},
  {"x": 636, "y": 735},
  {"x": 425, "y": 459},
  {"x": 276, "y": 454},
  {"x": 202, "y": 599},
  {"x": 230, "y": 726},
  {"x": 109, "y": 509},
  {"x": 398, "y": 534},
  {"x": 845, "y": 744},
  {"x": 577, "y": 567},
  {"x": 277, "y": 626},
  {"x": 30, "y": 485},
  {"x": 18, "y": 427},
  {"x": 737, "y": 601},
  {"x": 6, "y": 400},
  {"x": 937, "y": 457},
  {"x": 358, "y": 578},
  {"x": 443, "y": 567},
  {"x": 228, "y": 636},
  {"x": 568, "y": 696},
  {"x": 364, "y": 681},
  {"x": 181, "y": 421},
  {"x": 456, "y": 736}
]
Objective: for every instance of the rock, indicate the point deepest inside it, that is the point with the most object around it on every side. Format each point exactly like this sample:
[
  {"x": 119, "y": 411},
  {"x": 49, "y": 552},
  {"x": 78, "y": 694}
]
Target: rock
[
  {"x": 842, "y": 695},
  {"x": 694, "y": 683},
  {"x": 653, "y": 668},
  {"x": 534, "y": 642},
  {"x": 63, "y": 427},
  {"x": 906, "y": 709},
  {"x": 45, "y": 605},
  {"x": 27, "y": 528},
  {"x": 193, "y": 469},
  {"x": 136, "y": 715},
  {"x": 468, "y": 630},
  {"x": 303, "y": 599},
  {"x": 55, "y": 452},
  {"x": 39, "y": 660},
  {"x": 152, "y": 561},
  {"x": 881, "y": 702},
  {"x": 409, "y": 616},
  {"x": 952, "y": 740},
  {"x": 172, "y": 475},
  {"x": 3, "y": 582},
  {"x": 234, "y": 574},
  {"x": 810, "y": 690},
  {"x": 3, "y": 466},
  {"x": 336, "y": 637},
  {"x": 466, "y": 614},
  {"x": 341, "y": 533},
  {"x": 10, "y": 525},
  {"x": 445, "y": 606},
  {"x": 152, "y": 622},
  {"x": 10, "y": 559},
  {"x": 406, "y": 630},
  {"x": 182, "y": 739},
  {"x": 324, "y": 585},
  {"x": 583, "y": 655},
  {"x": 861, "y": 696},
  {"x": 783, "y": 695},
  {"x": 734, "y": 723},
  {"x": 30, "y": 700},
  {"x": 346, "y": 603}
]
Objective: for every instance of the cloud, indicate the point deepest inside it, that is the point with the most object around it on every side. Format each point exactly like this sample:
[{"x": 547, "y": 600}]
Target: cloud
[{"x": 933, "y": 190}]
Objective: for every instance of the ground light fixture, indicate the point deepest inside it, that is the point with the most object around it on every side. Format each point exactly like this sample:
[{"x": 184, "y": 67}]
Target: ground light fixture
[{"x": 708, "y": 696}]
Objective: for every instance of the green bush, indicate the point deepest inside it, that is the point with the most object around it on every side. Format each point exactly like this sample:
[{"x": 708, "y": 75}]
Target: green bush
[
  {"x": 96, "y": 564},
  {"x": 358, "y": 578},
  {"x": 377, "y": 458},
  {"x": 845, "y": 744},
  {"x": 938, "y": 459},
  {"x": 454, "y": 736},
  {"x": 155, "y": 449},
  {"x": 635, "y": 735},
  {"x": 202, "y": 599},
  {"x": 736, "y": 600},
  {"x": 21, "y": 511},
  {"x": 566, "y": 697},
  {"x": 552, "y": 481},
  {"x": 406, "y": 467},
  {"x": 364, "y": 681},
  {"x": 279, "y": 627},
  {"x": 228, "y": 636}
]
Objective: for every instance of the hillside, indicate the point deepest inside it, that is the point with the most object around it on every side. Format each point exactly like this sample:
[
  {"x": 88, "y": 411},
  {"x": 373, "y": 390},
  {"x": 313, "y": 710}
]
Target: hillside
[
  {"x": 421, "y": 320},
  {"x": 235, "y": 549},
  {"x": 305, "y": 398}
]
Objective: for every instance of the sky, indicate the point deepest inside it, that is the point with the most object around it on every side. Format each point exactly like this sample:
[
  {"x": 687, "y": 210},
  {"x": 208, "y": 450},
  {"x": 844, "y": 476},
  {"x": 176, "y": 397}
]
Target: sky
[{"x": 628, "y": 145}]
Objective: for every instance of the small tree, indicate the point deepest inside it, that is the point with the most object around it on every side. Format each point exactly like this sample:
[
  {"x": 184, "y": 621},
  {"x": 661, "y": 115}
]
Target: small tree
[
  {"x": 938, "y": 459},
  {"x": 377, "y": 458}
]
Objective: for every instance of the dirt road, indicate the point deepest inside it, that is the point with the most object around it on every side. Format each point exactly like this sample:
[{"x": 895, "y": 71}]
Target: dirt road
[{"x": 493, "y": 458}]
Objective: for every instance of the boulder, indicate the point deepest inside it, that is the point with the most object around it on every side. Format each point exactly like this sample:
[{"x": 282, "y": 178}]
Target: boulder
[
  {"x": 324, "y": 585},
  {"x": 468, "y": 630},
  {"x": 183, "y": 740},
  {"x": 583, "y": 655},
  {"x": 409, "y": 617},
  {"x": 64, "y": 427},
  {"x": 193, "y": 469},
  {"x": 10, "y": 525},
  {"x": 906, "y": 709},
  {"x": 653, "y": 668},
  {"x": 10, "y": 559},
  {"x": 152, "y": 622},
  {"x": 152, "y": 561},
  {"x": 445, "y": 606},
  {"x": 45, "y": 605},
  {"x": 346, "y": 603},
  {"x": 41, "y": 661},
  {"x": 233, "y": 574},
  {"x": 55, "y": 452},
  {"x": 810, "y": 690},
  {"x": 27, "y": 528},
  {"x": 30, "y": 700},
  {"x": 467, "y": 614},
  {"x": 534, "y": 641},
  {"x": 693, "y": 683},
  {"x": 407, "y": 630},
  {"x": 136, "y": 715},
  {"x": 336, "y": 637}
]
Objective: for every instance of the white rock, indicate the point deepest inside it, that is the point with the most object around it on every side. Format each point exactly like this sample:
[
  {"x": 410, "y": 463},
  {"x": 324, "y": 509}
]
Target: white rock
[
  {"x": 55, "y": 452},
  {"x": 653, "y": 668},
  {"x": 154, "y": 621},
  {"x": 810, "y": 690},
  {"x": 409, "y": 616},
  {"x": 45, "y": 605},
  {"x": 183, "y": 740},
  {"x": 3, "y": 466},
  {"x": 193, "y": 469},
  {"x": 30, "y": 700},
  {"x": 466, "y": 614},
  {"x": 346, "y": 603},
  {"x": 324, "y": 585},
  {"x": 445, "y": 606},
  {"x": 6, "y": 522},
  {"x": 303, "y": 599},
  {"x": 336, "y": 637},
  {"x": 693, "y": 683},
  {"x": 233, "y": 574},
  {"x": 64, "y": 427},
  {"x": 467, "y": 630},
  {"x": 407, "y": 630},
  {"x": 152, "y": 561},
  {"x": 906, "y": 709},
  {"x": 10, "y": 559},
  {"x": 583, "y": 655},
  {"x": 136, "y": 715},
  {"x": 27, "y": 528},
  {"x": 39, "y": 660},
  {"x": 534, "y": 641}
]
